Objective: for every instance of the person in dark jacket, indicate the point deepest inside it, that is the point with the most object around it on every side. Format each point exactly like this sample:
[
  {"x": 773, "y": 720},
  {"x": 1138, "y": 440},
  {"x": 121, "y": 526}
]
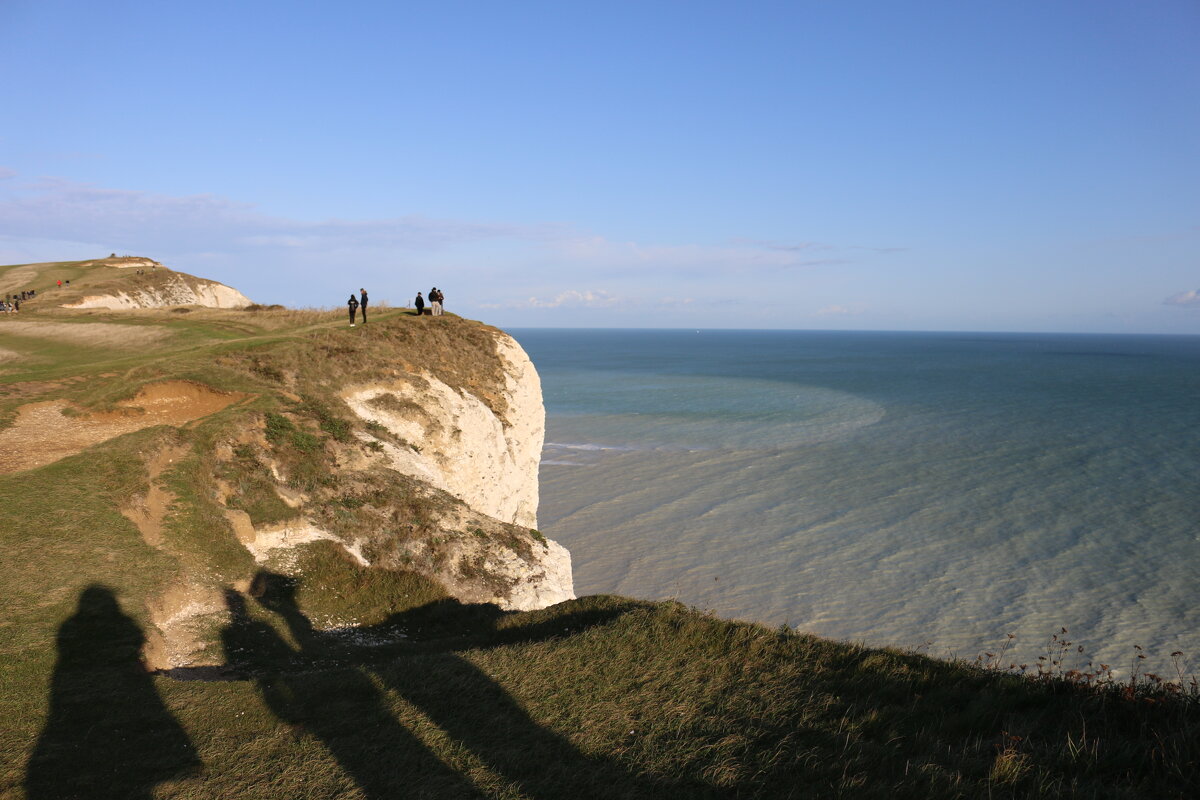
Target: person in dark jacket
[
  {"x": 362, "y": 303},
  {"x": 420, "y": 304},
  {"x": 352, "y": 304}
]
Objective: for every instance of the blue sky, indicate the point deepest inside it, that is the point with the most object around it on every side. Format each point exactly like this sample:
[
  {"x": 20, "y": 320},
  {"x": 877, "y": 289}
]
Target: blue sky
[{"x": 861, "y": 165}]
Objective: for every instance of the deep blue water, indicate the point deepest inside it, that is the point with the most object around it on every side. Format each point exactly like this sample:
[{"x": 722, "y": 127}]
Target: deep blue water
[{"x": 895, "y": 488}]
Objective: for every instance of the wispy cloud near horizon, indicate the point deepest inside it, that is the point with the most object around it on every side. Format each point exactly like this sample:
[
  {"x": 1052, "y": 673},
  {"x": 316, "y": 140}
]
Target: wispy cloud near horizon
[
  {"x": 513, "y": 267},
  {"x": 839, "y": 311},
  {"x": 592, "y": 298},
  {"x": 1191, "y": 298},
  {"x": 60, "y": 209},
  {"x": 570, "y": 298}
]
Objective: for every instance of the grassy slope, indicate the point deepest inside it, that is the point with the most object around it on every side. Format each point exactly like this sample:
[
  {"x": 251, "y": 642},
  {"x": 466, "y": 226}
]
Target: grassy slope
[{"x": 602, "y": 697}]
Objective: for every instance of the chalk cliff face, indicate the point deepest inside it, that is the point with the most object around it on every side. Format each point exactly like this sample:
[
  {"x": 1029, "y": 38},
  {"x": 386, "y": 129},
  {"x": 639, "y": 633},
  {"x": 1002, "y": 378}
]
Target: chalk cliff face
[
  {"x": 452, "y": 440},
  {"x": 435, "y": 479},
  {"x": 176, "y": 290},
  {"x": 457, "y": 443}
]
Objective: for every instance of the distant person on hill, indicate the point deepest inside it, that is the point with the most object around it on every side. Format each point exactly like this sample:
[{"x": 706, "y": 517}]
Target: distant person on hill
[
  {"x": 420, "y": 304},
  {"x": 352, "y": 303},
  {"x": 363, "y": 304},
  {"x": 435, "y": 305},
  {"x": 60, "y": 283},
  {"x": 441, "y": 302}
]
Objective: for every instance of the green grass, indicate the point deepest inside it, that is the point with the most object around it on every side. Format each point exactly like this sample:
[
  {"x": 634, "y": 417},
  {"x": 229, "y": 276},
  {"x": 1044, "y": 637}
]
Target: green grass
[
  {"x": 417, "y": 694},
  {"x": 605, "y": 697}
]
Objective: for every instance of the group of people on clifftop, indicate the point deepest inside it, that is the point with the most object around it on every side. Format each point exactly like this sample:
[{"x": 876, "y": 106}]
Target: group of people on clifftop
[
  {"x": 435, "y": 302},
  {"x": 11, "y": 303},
  {"x": 354, "y": 305},
  {"x": 358, "y": 305}
]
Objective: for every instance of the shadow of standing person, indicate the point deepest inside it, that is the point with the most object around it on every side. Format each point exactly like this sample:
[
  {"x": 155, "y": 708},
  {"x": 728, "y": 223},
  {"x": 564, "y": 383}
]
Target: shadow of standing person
[
  {"x": 108, "y": 734},
  {"x": 477, "y": 712},
  {"x": 342, "y": 707}
]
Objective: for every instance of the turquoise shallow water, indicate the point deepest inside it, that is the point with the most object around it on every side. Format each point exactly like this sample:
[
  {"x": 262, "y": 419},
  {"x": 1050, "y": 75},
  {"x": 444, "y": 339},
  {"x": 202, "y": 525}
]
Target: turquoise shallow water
[{"x": 928, "y": 490}]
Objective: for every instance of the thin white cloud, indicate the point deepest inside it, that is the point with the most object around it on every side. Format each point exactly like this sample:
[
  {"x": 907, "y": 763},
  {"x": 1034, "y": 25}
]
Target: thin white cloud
[
  {"x": 6, "y": 173},
  {"x": 787, "y": 247},
  {"x": 813, "y": 247},
  {"x": 507, "y": 266},
  {"x": 571, "y": 298},
  {"x": 57, "y": 209},
  {"x": 610, "y": 257},
  {"x": 839, "y": 311},
  {"x": 1191, "y": 298}
]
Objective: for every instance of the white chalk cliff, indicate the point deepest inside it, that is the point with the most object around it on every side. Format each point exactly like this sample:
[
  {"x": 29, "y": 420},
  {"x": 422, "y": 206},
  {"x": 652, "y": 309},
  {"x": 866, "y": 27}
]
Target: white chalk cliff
[
  {"x": 456, "y": 442},
  {"x": 176, "y": 290}
]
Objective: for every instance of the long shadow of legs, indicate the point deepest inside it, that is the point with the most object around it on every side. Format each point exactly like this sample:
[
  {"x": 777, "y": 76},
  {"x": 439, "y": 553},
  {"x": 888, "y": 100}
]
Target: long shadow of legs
[
  {"x": 474, "y": 710},
  {"x": 342, "y": 708},
  {"x": 108, "y": 734}
]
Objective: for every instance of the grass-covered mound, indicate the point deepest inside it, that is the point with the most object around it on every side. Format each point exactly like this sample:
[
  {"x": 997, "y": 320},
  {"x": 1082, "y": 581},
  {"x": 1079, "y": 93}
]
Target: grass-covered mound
[{"x": 334, "y": 680}]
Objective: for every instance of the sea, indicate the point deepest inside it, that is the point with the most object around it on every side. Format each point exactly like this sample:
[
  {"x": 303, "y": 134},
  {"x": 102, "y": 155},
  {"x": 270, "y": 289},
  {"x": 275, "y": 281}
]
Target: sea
[{"x": 935, "y": 492}]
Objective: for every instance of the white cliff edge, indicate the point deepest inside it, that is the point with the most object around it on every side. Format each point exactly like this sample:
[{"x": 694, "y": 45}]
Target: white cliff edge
[
  {"x": 457, "y": 443},
  {"x": 175, "y": 292}
]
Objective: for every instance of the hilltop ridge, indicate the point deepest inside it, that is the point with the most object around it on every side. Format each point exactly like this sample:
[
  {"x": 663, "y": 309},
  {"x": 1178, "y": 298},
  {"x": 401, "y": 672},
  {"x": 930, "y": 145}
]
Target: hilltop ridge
[{"x": 117, "y": 283}]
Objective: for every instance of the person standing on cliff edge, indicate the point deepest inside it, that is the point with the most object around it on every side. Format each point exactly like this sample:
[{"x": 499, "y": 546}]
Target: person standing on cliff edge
[
  {"x": 420, "y": 304},
  {"x": 352, "y": 304},
  {"x": 362, "y": 303}
]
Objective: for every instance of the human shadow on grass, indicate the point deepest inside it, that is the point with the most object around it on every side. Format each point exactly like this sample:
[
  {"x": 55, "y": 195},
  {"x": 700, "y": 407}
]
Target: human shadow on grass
[
  {"x": 342, "y": 707},
  {"x": 108, "y": 734}
]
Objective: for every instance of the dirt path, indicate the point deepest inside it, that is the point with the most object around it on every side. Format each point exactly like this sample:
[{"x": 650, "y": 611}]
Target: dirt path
[
  {"x": 148, "y": 511},
  {"x": 43, "y": 434}
]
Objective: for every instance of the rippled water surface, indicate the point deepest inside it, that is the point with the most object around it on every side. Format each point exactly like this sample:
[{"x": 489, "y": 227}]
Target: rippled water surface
[{"x": 911, "y": 489}]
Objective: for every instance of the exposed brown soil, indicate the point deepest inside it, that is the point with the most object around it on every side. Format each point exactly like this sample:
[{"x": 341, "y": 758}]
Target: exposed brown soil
[
  {"x": 42, "y": 433},
  {"x": 148, "y": 511}
]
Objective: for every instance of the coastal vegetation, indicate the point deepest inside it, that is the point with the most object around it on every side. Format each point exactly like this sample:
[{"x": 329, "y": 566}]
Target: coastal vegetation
[{"x": 322, "y": 677}]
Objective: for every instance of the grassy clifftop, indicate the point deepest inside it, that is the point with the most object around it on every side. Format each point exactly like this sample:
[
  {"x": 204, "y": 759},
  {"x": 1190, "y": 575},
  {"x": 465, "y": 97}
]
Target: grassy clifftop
[{"x": 314, "y": 676}]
